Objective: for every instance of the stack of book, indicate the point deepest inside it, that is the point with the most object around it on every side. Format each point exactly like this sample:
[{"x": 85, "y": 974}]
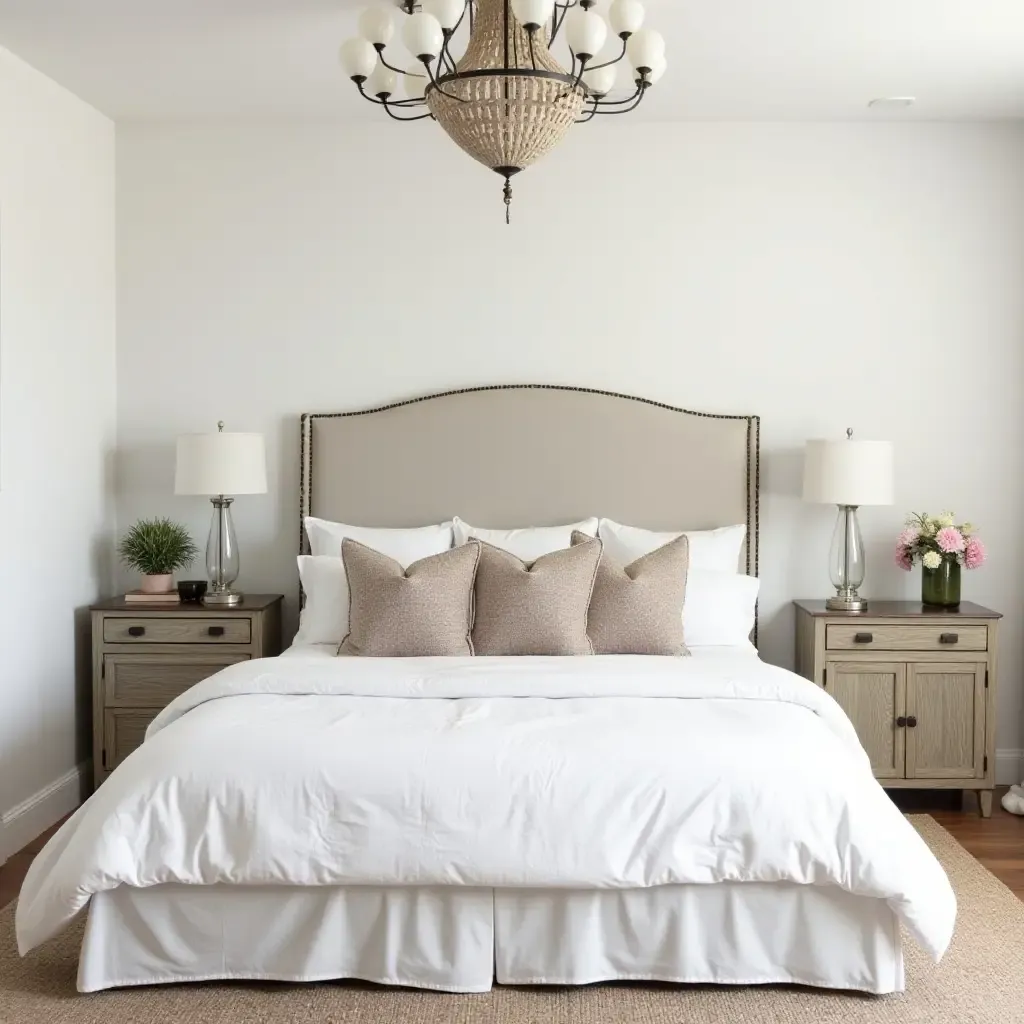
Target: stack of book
[{"x": 140, "y": 597}]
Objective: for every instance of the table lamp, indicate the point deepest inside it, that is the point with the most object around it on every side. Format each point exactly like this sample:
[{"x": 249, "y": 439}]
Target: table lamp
[
  {"x": 217, "y": 465},
  {"x": 848, "y": 474}
]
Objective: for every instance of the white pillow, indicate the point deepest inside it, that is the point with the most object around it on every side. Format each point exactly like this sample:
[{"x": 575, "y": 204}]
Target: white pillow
[
  {"x": 404, "y": 546},
  {"x": 718, "y": 550},
  {"x": 719, "y": 608},
  {"x": 324, "y": 617},
  {"x": 530, "y": 543}
]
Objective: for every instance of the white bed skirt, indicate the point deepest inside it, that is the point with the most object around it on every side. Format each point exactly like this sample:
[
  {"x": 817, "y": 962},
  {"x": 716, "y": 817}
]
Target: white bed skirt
[{"x": 462, "y": 940}]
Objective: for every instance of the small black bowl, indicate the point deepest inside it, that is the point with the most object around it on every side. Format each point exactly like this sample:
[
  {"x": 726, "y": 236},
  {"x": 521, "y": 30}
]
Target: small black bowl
[{"x": 191, "y": 590}]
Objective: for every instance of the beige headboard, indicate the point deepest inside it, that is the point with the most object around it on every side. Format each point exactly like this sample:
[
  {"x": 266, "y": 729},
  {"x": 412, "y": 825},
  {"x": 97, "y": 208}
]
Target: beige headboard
[{"x": 532, "y": 455}]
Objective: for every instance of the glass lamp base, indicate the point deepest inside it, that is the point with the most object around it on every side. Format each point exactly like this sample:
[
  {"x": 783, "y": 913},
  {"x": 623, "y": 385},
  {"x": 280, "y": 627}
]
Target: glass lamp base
[
  {"x": 222, "y": 598},
  {"x": 847, "y": 604}
]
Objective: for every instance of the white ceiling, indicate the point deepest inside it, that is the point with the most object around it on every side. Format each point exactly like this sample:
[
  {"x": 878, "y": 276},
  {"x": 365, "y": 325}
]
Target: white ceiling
[{"x": 729, "y": 59}]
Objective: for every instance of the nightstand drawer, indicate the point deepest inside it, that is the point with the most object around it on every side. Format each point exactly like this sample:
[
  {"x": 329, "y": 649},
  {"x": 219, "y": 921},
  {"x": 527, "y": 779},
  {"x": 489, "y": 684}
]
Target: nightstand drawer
[
  {"x": 154, "y": 680},
  {"x": 906, "y": 637},
  {"x": 167, "y": 630}
]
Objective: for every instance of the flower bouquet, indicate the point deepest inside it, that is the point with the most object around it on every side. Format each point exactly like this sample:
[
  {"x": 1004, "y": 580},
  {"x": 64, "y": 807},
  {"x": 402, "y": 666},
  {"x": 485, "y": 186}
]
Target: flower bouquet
[{"x": 942, "y": 547}]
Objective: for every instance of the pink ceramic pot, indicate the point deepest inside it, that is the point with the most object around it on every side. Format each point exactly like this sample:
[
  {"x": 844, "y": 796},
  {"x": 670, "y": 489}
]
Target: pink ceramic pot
[{"x": 157, "y": 584}]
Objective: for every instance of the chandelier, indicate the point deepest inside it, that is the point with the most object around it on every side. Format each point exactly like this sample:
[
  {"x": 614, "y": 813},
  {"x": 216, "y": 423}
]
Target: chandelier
[{"x": 508, "y": 100}]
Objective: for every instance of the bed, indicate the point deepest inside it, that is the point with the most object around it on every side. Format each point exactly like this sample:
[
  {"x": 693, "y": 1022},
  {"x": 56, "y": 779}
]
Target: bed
[{"x": 521, "y": 821}]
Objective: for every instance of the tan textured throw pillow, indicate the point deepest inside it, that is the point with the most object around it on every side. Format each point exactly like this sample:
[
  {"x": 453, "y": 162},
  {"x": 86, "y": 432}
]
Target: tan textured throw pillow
[
  {"x": 638, "y": 609},
  {"x": 425, "y": 611},
  {"x": 534, "y": 607}
]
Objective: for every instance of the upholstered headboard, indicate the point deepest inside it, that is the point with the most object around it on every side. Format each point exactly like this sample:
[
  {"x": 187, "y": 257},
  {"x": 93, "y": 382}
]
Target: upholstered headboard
[{"x": 532, "y": 455}]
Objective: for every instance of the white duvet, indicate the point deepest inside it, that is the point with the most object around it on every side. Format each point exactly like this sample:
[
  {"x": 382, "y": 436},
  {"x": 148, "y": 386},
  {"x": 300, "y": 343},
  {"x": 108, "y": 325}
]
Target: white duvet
[{"x": 601, "y": 772}]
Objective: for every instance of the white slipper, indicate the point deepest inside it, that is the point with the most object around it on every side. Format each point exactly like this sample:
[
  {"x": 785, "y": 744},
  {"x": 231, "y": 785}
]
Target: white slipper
[{"x": 1013, "y": 802}]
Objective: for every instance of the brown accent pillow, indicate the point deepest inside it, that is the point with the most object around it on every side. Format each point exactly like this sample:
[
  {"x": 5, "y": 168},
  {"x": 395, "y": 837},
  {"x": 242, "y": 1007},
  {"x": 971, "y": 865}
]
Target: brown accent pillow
[
  {"x": 425, "y": 611},
  {"x": 534, "y": 607},
  {"x": 638, "y": 608}
]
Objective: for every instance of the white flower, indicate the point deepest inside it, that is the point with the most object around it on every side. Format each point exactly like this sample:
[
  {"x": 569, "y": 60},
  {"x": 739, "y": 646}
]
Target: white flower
[
  {"x": 931, "y": 560},
  {"x": 946, "y": 519},
  {"x": 967, "y": 529}
]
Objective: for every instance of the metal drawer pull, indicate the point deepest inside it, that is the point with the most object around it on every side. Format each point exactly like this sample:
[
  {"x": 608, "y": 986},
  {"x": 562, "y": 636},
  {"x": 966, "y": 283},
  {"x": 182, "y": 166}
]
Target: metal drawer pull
[
  {"x": 863, "y": 638},
  {"x": 216, "y": 631},
  {"x": 949, "y": 638},
  {"x": 912, "y": 721},
  {"x": 136, "y": 630},
  {"x": 901, "y": 722}
]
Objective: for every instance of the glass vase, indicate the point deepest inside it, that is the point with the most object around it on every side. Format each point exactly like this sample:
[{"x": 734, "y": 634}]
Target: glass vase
[{"x": 940, "y": 588}]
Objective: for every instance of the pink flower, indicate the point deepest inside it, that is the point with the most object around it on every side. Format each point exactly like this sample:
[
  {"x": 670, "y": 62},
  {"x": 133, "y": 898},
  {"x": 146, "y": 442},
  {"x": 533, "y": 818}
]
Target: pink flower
[
  {"x": 908, "y": 537},
  {"x": 974, "y": 553},
  {"x": 902, "y": 557},
  {"x": 950, "y": 540}
]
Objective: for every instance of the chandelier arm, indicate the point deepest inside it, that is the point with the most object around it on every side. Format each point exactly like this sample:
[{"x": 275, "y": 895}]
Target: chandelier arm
[
  {"x": 557, "y": 21},
  {"x": 434, "y": 83},
  {"x": 590, "y": 115},
  {"x": 390, "y": 67},
  {"x": 395, "y": 117},
  {"x": 609, "y": 63},
  {"x": 396, "y": 103},
  {"x": 577, "y": 79},
  {"x": 533, "y": 58},
  {"x": 619, "y": 103},
  {"x": 444, "y": 59},
  {"x": 625, "y": 110},
  {"x": 446, "y": 50}
]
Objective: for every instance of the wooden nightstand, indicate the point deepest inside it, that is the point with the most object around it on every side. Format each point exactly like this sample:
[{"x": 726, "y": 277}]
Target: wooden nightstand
[
  {"x": 144, "y": 656},
  {"x": 918, "y": 684}
]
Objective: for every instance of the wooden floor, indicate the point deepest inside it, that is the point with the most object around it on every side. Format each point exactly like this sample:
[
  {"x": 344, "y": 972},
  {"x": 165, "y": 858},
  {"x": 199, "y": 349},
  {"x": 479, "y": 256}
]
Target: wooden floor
[{"x": 998, "y": 842}]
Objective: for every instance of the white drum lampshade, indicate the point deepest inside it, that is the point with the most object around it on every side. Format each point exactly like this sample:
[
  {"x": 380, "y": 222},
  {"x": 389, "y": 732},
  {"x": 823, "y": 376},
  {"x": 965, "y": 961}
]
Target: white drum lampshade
[
  {"x": 218, "y": 465},
  {"x": 848, "y": 474}
]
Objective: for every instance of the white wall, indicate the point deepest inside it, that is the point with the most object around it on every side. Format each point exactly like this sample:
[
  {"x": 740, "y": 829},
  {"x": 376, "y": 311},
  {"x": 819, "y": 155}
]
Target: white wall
[
  {"x": 819, "y": 275},
  {"x": 57, "y": 432}
]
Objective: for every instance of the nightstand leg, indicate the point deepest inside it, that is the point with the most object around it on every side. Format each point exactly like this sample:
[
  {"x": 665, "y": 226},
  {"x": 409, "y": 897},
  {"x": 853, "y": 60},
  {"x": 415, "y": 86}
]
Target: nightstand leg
[{"x": 985, "y": 802}]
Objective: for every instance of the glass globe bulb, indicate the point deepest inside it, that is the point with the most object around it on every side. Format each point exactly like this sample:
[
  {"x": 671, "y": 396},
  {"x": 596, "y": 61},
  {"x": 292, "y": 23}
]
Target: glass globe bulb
[
  {"x": 601, "y": 81},
  {"x": 377, "y": 25},
  {"x": 533, "y": 12},
  {"x": 626, "y": 17},
  {"x": 585, "y": 32},
  {"x": 645, "y": 48},
  {"x": 382, "y": 82},
  {"x": 422, "y": 35},
  {"x": 448, "y": 12},
  {"x": 657, "y": 71},
  {"x": 358, "y": 58}
]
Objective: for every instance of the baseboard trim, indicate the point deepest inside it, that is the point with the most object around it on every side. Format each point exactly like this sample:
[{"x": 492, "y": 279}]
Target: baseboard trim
[
  {"x": 21, "y": 824},
  {"x": 1009, "y": 766}
]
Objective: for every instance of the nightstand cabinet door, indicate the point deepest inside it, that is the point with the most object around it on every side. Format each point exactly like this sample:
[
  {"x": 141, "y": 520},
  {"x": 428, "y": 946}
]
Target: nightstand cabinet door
[
  {"x": 124, "y": 729},
  {"x": 946, "y": 720},
  {"x": 873, "y": 695}
]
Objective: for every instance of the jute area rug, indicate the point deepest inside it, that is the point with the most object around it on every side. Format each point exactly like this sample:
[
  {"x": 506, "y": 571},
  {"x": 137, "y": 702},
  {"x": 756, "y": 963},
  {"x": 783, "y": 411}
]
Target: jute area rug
[{"x": 980, "y": 981}]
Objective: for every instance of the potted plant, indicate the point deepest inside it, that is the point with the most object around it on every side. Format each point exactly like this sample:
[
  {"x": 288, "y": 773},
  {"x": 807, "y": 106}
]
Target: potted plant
[
  {"x": 942, "y": 548},
  {"x": 156, "y": 548}
]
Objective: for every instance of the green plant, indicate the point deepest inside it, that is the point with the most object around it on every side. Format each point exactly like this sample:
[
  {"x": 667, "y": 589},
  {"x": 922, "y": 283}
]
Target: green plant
[{"x": 155, "y": 547}]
